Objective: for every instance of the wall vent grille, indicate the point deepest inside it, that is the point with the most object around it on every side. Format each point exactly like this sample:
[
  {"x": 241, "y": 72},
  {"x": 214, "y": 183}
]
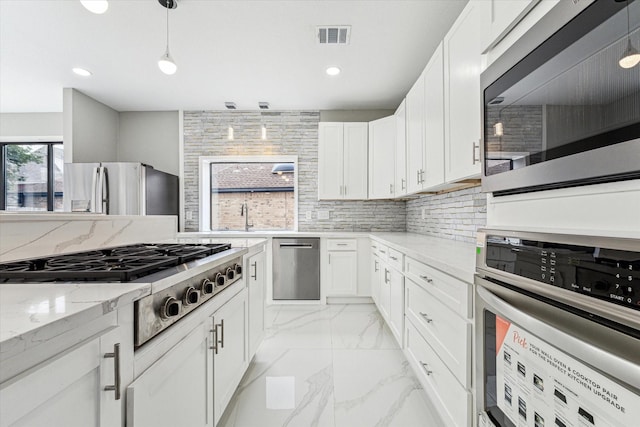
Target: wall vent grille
[{"x": 334, "y": 34}]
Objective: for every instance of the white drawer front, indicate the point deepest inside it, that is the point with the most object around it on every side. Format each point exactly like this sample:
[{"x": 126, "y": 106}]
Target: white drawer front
[
  {"x": 448, "y": 333},
  {"x": 396, "y": 259},
  {"x": 452, "y": 401},
  {"x": 454, "y": 293},
  {"x": 342, "y": 244}
]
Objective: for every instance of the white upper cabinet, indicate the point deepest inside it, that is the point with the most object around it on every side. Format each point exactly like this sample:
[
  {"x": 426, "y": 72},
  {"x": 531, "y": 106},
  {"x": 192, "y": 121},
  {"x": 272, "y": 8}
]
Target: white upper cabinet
[
  {"x": 434, "y": 121},
  {"x": 462, "y": 67},
  {"x": 342, "y": 161},
  {"x": 415, "y": 135},
  {"x": 502, "y": 17},
  {"x": 382, "y": 147},
  {"x": 400, "y": 184}
]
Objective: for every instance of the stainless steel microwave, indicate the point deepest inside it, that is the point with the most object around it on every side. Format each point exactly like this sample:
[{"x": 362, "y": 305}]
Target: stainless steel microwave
[{"x": 559, "y": 109}]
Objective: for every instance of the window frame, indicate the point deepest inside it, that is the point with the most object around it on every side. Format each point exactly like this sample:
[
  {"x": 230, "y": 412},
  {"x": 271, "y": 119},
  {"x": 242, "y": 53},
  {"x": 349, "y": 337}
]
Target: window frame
[
  {"x": 204, "y": 162},
  {"x": 50, "y": 169}
]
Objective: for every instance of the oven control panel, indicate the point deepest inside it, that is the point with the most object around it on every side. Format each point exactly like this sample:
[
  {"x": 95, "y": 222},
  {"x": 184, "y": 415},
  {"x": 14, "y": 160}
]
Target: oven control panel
[{"x": 602, "y": 273}]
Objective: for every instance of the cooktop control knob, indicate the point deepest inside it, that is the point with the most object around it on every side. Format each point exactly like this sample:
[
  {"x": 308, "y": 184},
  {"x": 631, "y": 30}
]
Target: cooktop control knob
[
  {"x": 238, "y": 269},
  {"x": 191, "y": 296},
  {"x": 207, "y": 287},
  {"x": 170, "y": 308},
  {"x": 230, "y": 273},
  {"x": 220, "y": 279}
]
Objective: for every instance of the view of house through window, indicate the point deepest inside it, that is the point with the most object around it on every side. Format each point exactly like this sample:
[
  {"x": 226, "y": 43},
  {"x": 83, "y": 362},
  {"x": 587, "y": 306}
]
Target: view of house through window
[
  {"x": 32, "y": 175},
  {"x": 253, "y": 196}
]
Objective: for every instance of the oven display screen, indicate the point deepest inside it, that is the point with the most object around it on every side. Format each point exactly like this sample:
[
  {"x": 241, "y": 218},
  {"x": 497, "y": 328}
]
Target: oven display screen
[
  {"x": 529, "y": 382},
  {"x": 602, "y": 273}
]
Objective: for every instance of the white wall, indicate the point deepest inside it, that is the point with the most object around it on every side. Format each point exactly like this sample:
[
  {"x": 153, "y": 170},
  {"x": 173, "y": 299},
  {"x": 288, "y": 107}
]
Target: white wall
[
  {"x": 150, "y": 137},
  {"x": 35, "y": 126},
  {"x": 90, "y": 129}
]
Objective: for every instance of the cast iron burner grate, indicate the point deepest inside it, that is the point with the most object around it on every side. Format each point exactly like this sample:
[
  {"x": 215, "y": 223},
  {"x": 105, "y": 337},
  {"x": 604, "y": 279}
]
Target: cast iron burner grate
[{"x": 121, "y": 263}]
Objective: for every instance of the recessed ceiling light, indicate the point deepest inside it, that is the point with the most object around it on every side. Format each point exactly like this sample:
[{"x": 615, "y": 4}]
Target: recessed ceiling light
[
  {"x": 333, "y": 71},
  {"x": 95, "y": 6},
  {"x": 82, "y": 72}
]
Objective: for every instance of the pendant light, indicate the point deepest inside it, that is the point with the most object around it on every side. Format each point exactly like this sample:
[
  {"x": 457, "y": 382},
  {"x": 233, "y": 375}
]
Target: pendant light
[
  {"x": 166, "y": 63},
  {"x": 96, "y": 6},
  {"x": 631, "y": 56}
]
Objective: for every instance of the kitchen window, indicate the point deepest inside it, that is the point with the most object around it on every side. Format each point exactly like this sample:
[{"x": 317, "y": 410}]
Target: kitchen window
[
  {"x": 31, "y": 176},
  {"x": 249, "y": 193}
]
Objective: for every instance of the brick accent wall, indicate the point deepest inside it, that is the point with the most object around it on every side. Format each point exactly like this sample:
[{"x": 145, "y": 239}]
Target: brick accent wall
[
  {"x": 267, "y": 211},
  {"x": 456, "y": 215},
  {"x": 289, "y": 133}
]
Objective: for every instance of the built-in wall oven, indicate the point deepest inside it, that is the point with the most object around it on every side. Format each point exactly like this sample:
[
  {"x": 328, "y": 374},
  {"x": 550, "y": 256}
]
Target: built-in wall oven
[
  {"x": 557, "y": 337},
  {"x": 559, "y": 108}
]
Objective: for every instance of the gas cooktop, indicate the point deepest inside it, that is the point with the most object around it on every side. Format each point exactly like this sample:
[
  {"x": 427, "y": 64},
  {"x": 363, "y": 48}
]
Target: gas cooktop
[{"x": 121, "y": 263}]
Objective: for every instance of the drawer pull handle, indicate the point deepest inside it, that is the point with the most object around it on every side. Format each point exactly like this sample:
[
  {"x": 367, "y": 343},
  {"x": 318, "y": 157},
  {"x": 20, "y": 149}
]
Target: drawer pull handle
[
  {"x": 214, "y": 331},
  {"x": 427, "y": 279},
  {"x": 393, "y": 258},
  {"x": 374, "y": 246},
  {"x": 116, "y": 371},
  {"x": 426, "y": 368},
  {"x": 426, "y": 317},
  {"x": 381, "y": 251}
]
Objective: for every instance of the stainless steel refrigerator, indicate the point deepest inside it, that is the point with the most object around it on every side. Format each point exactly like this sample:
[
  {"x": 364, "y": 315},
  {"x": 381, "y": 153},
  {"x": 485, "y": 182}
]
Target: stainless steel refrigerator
[{"x": 119, "y": 188}]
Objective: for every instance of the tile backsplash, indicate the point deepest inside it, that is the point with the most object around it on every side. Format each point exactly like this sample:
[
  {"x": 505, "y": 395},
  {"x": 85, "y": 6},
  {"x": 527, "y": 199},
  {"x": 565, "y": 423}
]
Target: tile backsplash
[{"x": 456, "y": 215}]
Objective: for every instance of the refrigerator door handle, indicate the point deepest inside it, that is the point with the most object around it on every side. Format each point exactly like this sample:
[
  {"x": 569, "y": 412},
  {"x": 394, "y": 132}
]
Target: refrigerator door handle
[
  {"x": 102, "y": 191},
  {"x": 105, "y": 190}
]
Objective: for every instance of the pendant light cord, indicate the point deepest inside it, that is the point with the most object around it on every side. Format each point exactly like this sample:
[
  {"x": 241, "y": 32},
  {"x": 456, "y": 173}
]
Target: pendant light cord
[
  {"x": 628, "y": 25},
  {"x": 168, "y": 4}
]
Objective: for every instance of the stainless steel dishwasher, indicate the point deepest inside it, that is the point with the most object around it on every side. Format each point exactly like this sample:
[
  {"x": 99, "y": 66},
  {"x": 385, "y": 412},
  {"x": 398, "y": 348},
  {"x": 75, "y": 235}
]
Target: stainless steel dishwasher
[{"x": 296, "y": 269}]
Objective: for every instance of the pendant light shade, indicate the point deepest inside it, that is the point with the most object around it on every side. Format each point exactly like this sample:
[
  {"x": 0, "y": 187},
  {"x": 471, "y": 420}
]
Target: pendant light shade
[
  {"x": 96, "y": 6},
  {"x": 166, "y": 63},
  {"x": 631, "y": 56}
]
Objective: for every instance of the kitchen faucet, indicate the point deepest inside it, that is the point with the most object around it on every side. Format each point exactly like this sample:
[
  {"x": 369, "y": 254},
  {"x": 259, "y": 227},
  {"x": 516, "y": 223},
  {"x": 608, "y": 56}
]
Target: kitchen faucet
[{"x": 244, "y": 211}]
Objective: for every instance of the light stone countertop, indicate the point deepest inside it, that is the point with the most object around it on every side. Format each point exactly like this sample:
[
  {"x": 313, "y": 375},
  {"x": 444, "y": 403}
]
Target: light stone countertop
[
  {"x": 34, "y": 313},
  {"x": 453, "y": 257}
]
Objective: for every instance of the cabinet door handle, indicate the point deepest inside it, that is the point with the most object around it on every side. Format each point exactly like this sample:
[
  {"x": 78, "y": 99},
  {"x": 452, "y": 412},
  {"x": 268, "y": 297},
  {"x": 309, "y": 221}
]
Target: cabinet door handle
[
  {"x": 345, "y": 190},
  {"x": 255, "y": 270},
  {"x": 214, "y": 331},
  {"x": 425, "y": 366},
  {"x": 390, "y": 188},
  {"x": 418, "y": 172},
  {"x": 393, "y": 258},
  {"x": 375, "y": 266},
  {"x": 386, "y": 272},
  {"x": 421, "y": 176},
  {"x": 426, "y": 317},
  {"x": 475, "y": 146},
  {"x": 403, "y": 183},
  {"x": 329, "y": 257},
  {"x": 116, "y": 370},
  {"x": 382, "y": 252},
  {"x": 427, "y": 279},
  {"x": 341, "y": 244},
  {"x": 221, "y": 340},
  {"x": 374, "y": 246}
]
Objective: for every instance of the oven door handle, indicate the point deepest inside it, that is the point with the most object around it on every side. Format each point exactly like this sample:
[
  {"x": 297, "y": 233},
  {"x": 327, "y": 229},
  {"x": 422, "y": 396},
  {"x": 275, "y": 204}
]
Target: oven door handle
[{"x": 569, "y": 342}]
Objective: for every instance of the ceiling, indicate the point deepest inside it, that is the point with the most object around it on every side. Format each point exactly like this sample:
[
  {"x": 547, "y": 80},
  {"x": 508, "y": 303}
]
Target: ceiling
[{"x": 235, "y": 50}]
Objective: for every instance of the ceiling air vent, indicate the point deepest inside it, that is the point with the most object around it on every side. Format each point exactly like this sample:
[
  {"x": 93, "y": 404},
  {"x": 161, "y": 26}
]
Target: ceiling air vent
[
  {"x": 334, "y": 34},
  {"x": 230, "y": 105}
]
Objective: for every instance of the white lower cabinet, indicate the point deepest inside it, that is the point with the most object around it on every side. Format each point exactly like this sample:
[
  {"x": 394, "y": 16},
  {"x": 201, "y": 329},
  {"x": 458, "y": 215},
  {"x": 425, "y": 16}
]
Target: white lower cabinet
[
  {"x": 177, "y": 390},
  {"x": 396, "y": 304},
  {"x": 230, "y": 359},
  {"x": 452, "y": 401},
  {"x": 342, "y": 267},
  {"x": 68, "y": 390},
  {"x": 255, "y": 273},
  {"x": 375, "y": 279}
]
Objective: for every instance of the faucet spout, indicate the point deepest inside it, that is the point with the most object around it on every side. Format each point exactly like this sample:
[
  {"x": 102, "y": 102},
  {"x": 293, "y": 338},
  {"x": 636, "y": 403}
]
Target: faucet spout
[{"x": 244, "y": 211}]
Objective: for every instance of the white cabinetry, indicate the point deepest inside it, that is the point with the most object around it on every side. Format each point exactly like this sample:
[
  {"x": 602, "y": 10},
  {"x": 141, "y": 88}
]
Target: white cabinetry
[
  {"x": 382, "y": 147},
  {"x": 438, "y": 330},
  {"x": 178, "y": 388},
  {"x": 400, "y": 185},
  {"x": 462, "y": 67},
  {"x": 230, "y": 359},
  {"x": 68, "y": 390},
  {"x": 391, "y": 288},
  {"x": 342, "y": 267},
  {"x": 415, "y": 135},
  {"x": 255, "y": 269},
  {"x": 434, "y": 121},
  {"x": 375, "y": 274},
  {"x": 502, "y": 17},
  {"x": 342, "y": 160}
]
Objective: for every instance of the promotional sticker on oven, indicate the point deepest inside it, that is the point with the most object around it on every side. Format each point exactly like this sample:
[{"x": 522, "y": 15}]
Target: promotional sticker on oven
[{"x": 538, "y": 385}]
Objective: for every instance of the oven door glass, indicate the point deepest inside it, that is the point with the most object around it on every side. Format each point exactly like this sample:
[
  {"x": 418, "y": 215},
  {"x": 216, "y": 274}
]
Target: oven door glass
[
  {"x": 568, "y": 96},
  {"x": 528, "y": 381}
]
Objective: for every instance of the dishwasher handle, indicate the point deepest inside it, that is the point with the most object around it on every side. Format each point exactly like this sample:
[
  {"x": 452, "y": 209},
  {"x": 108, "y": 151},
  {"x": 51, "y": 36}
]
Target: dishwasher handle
[{"x": 297, "y": 245}]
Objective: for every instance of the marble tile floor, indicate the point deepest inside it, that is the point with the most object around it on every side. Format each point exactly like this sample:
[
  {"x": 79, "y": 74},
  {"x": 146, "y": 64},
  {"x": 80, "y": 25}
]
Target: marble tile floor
[{"x": 329, "y": 366}]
